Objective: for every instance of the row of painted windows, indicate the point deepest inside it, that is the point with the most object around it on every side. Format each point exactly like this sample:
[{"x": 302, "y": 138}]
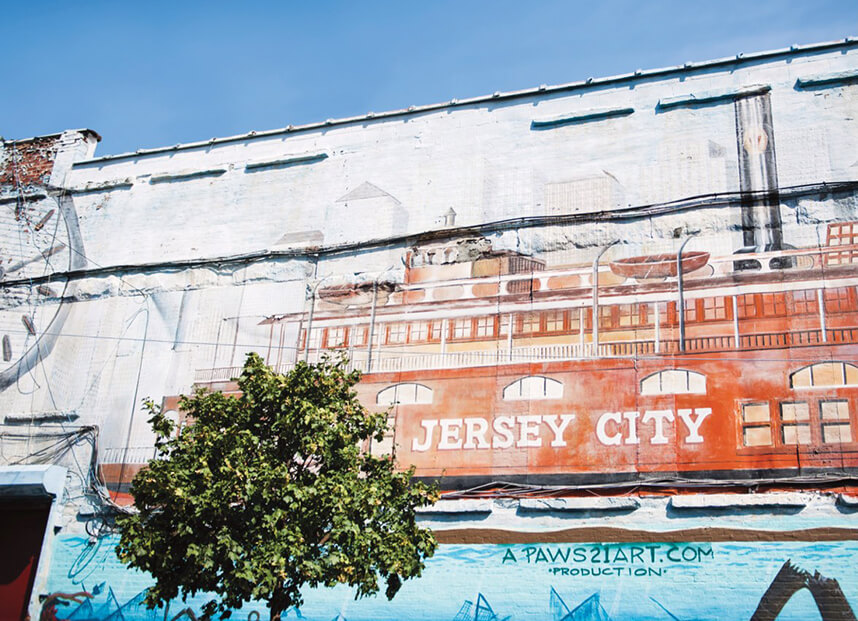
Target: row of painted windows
[
  {"x": 667, "y": 382},
  {"x": 791, "y": 423},
  {"x": 803, "y": 422},
  {"x": 613, "y": 317}
]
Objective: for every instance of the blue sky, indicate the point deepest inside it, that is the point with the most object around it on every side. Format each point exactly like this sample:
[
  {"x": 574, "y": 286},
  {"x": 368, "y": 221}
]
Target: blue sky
[{"x": 155, "y": 73}]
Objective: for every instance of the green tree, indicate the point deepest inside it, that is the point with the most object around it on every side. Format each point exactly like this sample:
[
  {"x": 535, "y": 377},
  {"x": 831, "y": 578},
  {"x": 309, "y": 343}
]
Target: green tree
[{"x": 270, "y": 492}]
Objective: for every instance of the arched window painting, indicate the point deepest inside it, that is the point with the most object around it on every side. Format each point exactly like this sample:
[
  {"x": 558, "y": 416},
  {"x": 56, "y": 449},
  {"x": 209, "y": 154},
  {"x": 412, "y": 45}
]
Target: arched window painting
[
  {"x": 404, "y": 394},
  {"x": 674, "y": 382},
  {"x": 533, "y": 387},
  {"x": 825, "y": 374}
]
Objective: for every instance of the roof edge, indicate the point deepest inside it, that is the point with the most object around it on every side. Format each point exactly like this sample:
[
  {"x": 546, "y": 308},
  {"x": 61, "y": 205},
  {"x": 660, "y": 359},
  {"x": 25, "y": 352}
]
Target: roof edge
[
  {"x": 83, "y": 130},
  {"x": 740, "y": 58}
]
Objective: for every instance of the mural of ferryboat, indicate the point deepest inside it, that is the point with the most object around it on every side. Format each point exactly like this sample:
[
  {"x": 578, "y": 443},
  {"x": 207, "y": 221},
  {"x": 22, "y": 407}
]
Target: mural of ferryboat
[
  {"x": 731, "y": 353},
  {"x": 763, "y": 345}
]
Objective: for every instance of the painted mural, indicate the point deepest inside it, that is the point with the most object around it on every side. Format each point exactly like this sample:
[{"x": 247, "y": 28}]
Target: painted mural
[
  {"x": 729, "y": 342},
  {"x": 556, "y": 582}
]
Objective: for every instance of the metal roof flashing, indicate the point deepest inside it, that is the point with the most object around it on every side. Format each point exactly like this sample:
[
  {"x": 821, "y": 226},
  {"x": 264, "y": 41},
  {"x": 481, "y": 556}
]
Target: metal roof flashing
[{"x": 589, "y": 83}]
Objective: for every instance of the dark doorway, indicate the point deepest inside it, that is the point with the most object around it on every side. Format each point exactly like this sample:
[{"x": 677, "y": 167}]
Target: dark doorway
[{"x": 22, "y": 528}]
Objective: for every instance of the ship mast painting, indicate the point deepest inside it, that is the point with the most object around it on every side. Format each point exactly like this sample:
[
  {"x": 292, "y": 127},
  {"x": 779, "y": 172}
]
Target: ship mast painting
[
  {"x": 481, "y": 612},
  {"x": 589, "y": 610}
]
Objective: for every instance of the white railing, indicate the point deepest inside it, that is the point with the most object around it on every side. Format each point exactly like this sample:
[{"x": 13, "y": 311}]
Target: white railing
[
  {"x": 387, "y": 361},
  {"x": 394, "y": 361}
]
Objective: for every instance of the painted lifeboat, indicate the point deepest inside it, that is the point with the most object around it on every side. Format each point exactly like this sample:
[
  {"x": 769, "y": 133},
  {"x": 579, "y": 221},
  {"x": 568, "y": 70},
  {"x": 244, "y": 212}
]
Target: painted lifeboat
[
  {"x": 658, "y": 265},
  {"x": 356, "y": 294}
]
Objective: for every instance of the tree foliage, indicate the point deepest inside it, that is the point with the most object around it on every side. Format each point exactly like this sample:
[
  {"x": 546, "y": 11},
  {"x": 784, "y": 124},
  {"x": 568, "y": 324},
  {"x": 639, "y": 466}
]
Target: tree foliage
[{"x": 270, "y": 492}]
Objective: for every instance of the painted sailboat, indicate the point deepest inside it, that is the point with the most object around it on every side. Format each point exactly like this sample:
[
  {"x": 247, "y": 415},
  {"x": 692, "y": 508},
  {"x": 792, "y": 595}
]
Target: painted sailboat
[{"x": 589, "y": 610}]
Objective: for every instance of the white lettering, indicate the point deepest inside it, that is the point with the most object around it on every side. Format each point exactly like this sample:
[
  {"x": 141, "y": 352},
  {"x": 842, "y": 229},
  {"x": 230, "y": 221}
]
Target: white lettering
[
  {"x": 502, "y": 426},
  {"x": 450, "y": 430},
  {"x": 558, "y": 429},
  {"x": 693, "y": 426},
  {"x": 601, "y": 433},
  {"x": 528, "y": 434},
  {"x": 659, "y": 416},
  {"x": 632, "y": 419},
  {"x": 429, "y": 426},
  {"x": 475, "y": 433},
  {"x": 612, "y": 429}
]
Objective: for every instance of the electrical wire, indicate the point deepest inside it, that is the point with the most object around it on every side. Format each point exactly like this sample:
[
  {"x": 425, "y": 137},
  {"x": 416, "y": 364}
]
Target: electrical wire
[
  {"x": 718, "y": 199},
  {"x": 506, "y": 489}
]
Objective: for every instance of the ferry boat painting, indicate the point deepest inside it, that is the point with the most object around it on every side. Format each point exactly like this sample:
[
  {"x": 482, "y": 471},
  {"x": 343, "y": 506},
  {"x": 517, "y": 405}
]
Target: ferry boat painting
[{"x": 499, "y": 366}]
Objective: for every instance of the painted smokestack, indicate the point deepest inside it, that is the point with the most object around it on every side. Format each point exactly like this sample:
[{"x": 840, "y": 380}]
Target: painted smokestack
[{"x": 758, "y": 175}]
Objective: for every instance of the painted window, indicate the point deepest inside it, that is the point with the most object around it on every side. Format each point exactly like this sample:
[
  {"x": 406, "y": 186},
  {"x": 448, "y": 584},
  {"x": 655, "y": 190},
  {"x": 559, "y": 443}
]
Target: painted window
[
  {"x": 554, "y": 320},
  {"x": 774, "y": 304},
  {"x": 746, "y": 305},
  {"x": 804, "y": 302},
  {"x": 529, "y": 323},
  {"x": 337, "y": 336},
  {"x": 629, "y": 315},
  {"x": 385, "y": 446},
  {"x": 756, "y": 424},
  {"x": 575, "y": 319},
  {"x": 674, "y": 382},
  {"x": 462, "y": 328},
  {"x": 358, "y": 335},
  {"x": 533, "y": 387},
  {"x": 714, "y": 309},
  {"x": 485, "y": 326},
  {"x": 835, "y": 420},
  {"x": 397, "y": 332},
  {"x": 419, "y": 332},
  {"x": 315, "y": 338},
  {"x": 825, "y": 374},
  {"x": 837, "y": 300},
  {"x": 842, "y": 234},
  {"x": 404, "y": 394},
  {"x": 795, "y": 423}
]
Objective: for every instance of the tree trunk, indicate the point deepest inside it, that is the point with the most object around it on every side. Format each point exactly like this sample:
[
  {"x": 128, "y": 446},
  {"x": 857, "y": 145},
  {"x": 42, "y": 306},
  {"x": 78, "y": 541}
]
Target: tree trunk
[{"x": 275, "y": 604}]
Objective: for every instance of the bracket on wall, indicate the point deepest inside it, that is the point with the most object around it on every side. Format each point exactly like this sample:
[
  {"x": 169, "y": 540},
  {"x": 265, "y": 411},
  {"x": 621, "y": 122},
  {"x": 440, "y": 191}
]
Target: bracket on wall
[
  {"x": 710, "y": 97},
  {"x": 183, "y": 175},
  {"x": 289, "y": 160},
  {"x": 585, "y": 116},
  {"x": 827, "y": 79}
]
